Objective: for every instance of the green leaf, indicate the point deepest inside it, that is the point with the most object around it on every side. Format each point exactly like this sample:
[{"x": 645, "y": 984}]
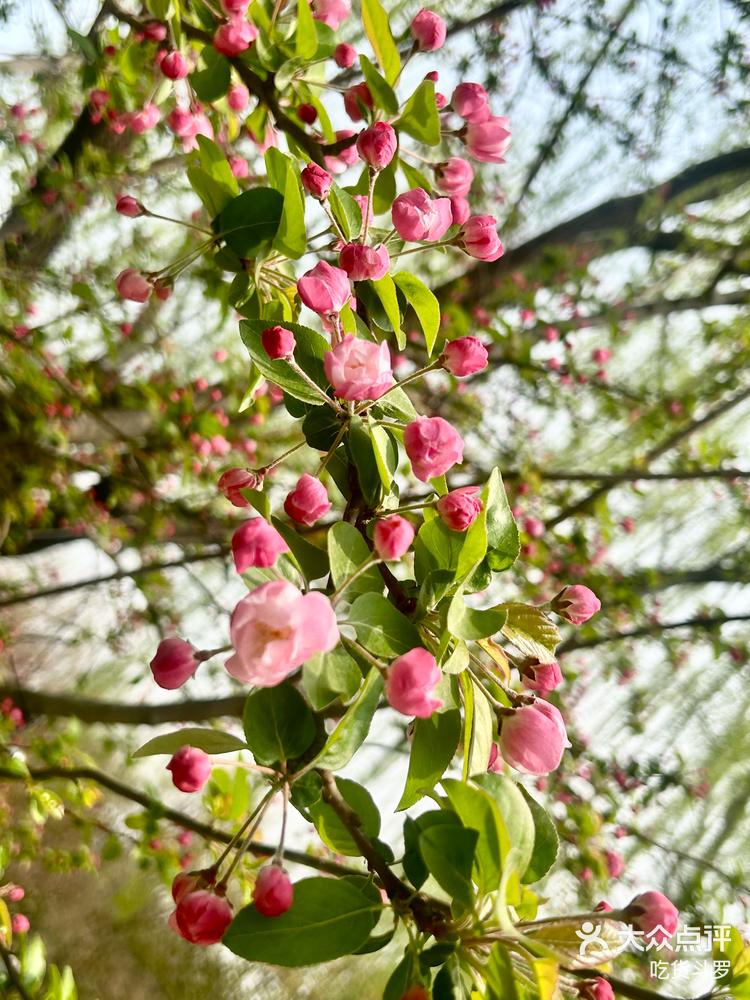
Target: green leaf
[
  {"x": 378, "y": 31},
  {"x": 432, "y": 749},
  {"x": 332, "y": 831},
  {"x": 477, "y": 811},
  {"x": 396, "y": 405},
  {"x": 250, "y": 220},
  {"x": 291, "y": 238},
  {"x": 517, "y": 843},
  {"x": 212, "y": 82},
  {"x": 448, "y": 852},
  {"x": 347, "y": 551},
  {"x": 500, "y": 976},
  {"x": 213, "y": 180},
  {"x": 382, "y": 93},
  {"x": 312, "y": 561},
  {"x": 381, "y": 628},
  {"x": 503, "y": 543},
  {"x": 208, "y": 740},
  {"x": 531, "y": 631},
  {"x": 415, "y": 178},
  {"x": 385, "y": 450},
  {"x": 330, "y": 918},
  {"x": 328, "y": 676},
  {"x": 309, "y": 352},
  {"x": 482, "y": 730},
  {"x": 386, "y": 292},
  {"x": 420, "y": 118},
  {"x": 546, "y": 841},
  {"x": 423, "y": 302},
  {"x": 352, "y": 730},
  {"x": 472, "y": 623},
  {"x": 346, "y": 211},
  {"x": 278, "y": 724},
  {"x": 360, "y": 449},
  {"x": 305, "y": 37}
]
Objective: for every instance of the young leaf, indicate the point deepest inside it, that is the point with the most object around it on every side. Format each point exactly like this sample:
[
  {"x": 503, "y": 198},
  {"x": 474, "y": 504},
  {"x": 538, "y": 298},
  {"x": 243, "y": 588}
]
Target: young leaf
[
  {"x": 208, "y": 740},
  {"x": 346, "y": 211},
  {"x": 278, "y": 724},
  {"x": 413, "y": 862},
  {"x": 328, "y": 676},
  {"x": 503, "y": 543},
  {"x": 291, "y": 238},
  {"x": 305, "y": 37},
  {"x": 250, "y": 220},
  {"x": 385, "y": 450},
  {"x": 386, "y": 292},
  {"x": 330, "y": 918},
  {"x": 420, "y": 117},
  {"x": 382, "y": 93},
  {"x": 531, "y": 631},
  {"x": 472, "y": 623},
  {"x": 423, "y": 302},
  {"x": 432, "y": 749},
  {"x": 347, "y": 551},
  {"x": 378, "y": 31},
  {"x": 352, "y": 730}
]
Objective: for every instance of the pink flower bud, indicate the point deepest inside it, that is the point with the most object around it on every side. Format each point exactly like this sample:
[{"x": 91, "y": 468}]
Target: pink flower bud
[
  {"x": 460, "y": 210},
  {"x": 576, "y": 604},
  {"x": 533, "y": 527},
  {"x": 155, "y": 31},
  {"x": 186, "y": 882},
  {"x": 316, "y": 181},
  {"x": 235, "y": 8},
  {"x": 273, "y": 891},
  {"x": 174, "y": 65},
  {"x": 99, "y": 98},
  {"x": 275, "y": 629},
  {"x": 359, "y": 369},
  {"x": 478, "y": 238},
  {"x": 235, "y": 37},
  {"x": 234, "y": 480},
  {"x": 428, "y": 31},
  {"x": 174, "y": 663},
  {"x": 488, "y": 140},
  {"x": 454, "y": 176},
  {"x": 129, "y": 206},
  {"x": 308, "y": 501},
  {"x": 143, "y": 120},
  {"x": 460, "y": 508},
  {"x": 358, "y": 101},
  {"x": 541, "y": 677},
  {"x": 601, "y": 355},
  {"x": 344, "y": 55},
  {"x": 596, "y": 989},
  {"x": 191, "y": 769},
  {"x": 346, "y": 157},
  {"x": 377, "y": 145},
  {"x": 363, "y": 263},
  {"x": 239, "y": 166},
  {"x": 307, "y": 113},
  {"x": 411, "y": 682},
  {"x": 465, "y": 356},
  {"x": 324, "y": 289},
  {"x": 418, "y": 217},
  {"x": 654, "y": 914},
  {"x": 471, "y": 102},
  {"x": 332, "y": 12},
  {"x": 532, "y": 740},
  {"x": 278, "y": 342},
  {"x": 131, "y": 284},
  {"x": 16, "y": 893},
  {"x": 202, "y": 917},
  {"x": 19, "y": 923},
  {"x": 256, "y": 543},
  {"x": 496, "y": 764},
  {"x": 615, "y": 864},
  {"x": 238, "y": 97},
  {"x": 392, "y": 537},
  {"x": 433, "y": 447}
]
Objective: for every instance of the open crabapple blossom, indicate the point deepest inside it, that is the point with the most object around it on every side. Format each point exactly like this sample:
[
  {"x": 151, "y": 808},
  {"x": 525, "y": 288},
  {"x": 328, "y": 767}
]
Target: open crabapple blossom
[
  {"x": 235, "y": 37},
  {"x": 359, "y": 369}
]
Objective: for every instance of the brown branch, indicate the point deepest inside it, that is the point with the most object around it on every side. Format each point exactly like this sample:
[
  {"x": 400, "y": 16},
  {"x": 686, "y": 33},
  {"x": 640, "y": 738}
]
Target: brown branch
[
  {"x": 181, "y": 819},
  {"x": 652, "y": 630}
]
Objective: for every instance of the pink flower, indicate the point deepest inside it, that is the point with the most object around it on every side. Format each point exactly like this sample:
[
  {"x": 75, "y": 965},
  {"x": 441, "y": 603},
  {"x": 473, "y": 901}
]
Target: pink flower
[
  {"x": 596, "y": 989},
  {"x": 411, "y": 681},
  {"x": 16, "y": 893},
  {"x": 308, "y": 501},
  {"x": 363, "y": 263},
  {"x": 131, "y": 284},
  {"x": 428, "y": 31},
  {"x": 478, "y": 238},
  {"x": 256, "y": 543},
  {"x": 460, "y": 210},
  {"x": 601, "y": 355},
  {"x": 127, "y": 205},
  {"x": 532, "y": 740},
  {"x": 191, "y": 769},
  {"x": 344, "y": 55},
  {"x": 19, "y": 923},
  {"x": 275, "y": 628},
  {"x": 273, "y": 891},
  {"x": 235, "y": 37},
  {"x": 496, "y": 764},
  {"x": 392, "y": 537},
  {"x": 460, "y": 508},
  {"x": 316, "y": 181},
  {"x": 471, "y": 102},
  {"x": 359, "y": 369},
  {"x": 278, "y": 342},
  {"x": 541, "y": 677},
  {"x": 654, "y": 914},
  {"x": 576, "y": 604},
  {"x": 238, "y": 97},
  {"x": 143, "y": 120},
  {"x": 377, "y": 145},
  {"x": 173, "y": 663},
  {"x": 465, "y": 356},
  {"x": 454, "y": 176},
  {"x": 234, "y": 480},
  {"x": 239, "y": 166},
  {"x": 358, "y": 101},
  {"x": 533, "y": 527},
  {"x": 324, "y": 289},
  {"x": 235, "y": 8},
  {"x": 418, "y": 217},
  {"x": 98, "y": 98},
  {"x": 332, "y": 12},
  {"x": 174, "y": 65},
  {"x": 202, "y": 917},
  {"x": 615, "y": 864},
  {"x": 433, "y": 446},
  {"x": 346, "y": 157},
  {"x": 155, "y": 31},
  {"x": 488, "y": 140}
]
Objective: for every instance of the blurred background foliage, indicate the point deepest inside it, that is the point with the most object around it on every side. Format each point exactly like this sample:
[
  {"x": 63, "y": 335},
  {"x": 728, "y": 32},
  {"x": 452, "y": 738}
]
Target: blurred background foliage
[{"x": 617, "y": 407}]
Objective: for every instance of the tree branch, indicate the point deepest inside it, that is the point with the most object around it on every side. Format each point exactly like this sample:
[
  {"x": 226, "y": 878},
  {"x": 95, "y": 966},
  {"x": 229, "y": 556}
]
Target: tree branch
[{"x": 652, "y": 629}]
